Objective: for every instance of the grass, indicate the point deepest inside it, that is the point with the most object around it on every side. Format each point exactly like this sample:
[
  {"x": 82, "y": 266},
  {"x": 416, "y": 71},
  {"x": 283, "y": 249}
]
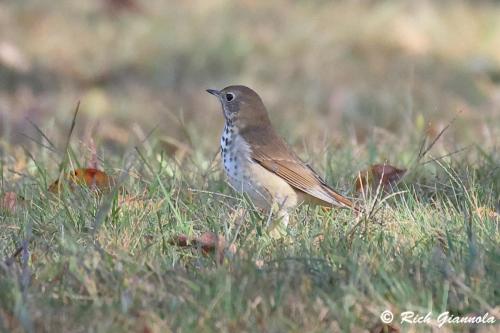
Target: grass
[
  {"x": 104, "y": 263},
  {"x": 348, "y": 84}
]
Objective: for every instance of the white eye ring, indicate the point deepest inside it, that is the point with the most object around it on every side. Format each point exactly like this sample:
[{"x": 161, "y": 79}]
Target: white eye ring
[{"x": 229, "y": 97}]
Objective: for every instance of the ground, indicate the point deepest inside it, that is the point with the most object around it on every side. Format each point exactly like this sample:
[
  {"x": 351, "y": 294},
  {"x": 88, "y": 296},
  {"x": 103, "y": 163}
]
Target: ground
[{"x": 167, "y": 245}]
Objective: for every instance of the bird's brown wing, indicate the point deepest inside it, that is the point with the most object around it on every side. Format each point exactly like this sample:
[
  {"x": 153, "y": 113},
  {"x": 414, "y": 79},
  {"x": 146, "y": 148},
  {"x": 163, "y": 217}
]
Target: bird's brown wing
[{"x": 275, "y": 155}]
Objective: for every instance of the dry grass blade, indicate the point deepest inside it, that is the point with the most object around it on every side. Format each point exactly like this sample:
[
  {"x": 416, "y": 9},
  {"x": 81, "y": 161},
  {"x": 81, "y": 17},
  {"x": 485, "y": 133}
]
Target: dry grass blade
[
  {"x": 39, "y": 143},
  {"x": 39, "y": 130},
  {"x": 423, "y": 152},
  {"x": 447, "y": 155},
  {"x": 68, "y": 138}
]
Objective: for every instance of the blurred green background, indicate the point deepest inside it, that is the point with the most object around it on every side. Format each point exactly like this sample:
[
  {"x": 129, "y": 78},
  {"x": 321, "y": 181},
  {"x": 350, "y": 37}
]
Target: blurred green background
[{"x": 329, "y": 72}]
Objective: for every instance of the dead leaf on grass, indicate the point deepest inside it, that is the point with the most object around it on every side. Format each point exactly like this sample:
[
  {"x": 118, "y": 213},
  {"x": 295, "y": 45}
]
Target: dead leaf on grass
[
  {"x": 384, "y": 174},
  {"x": 209, "y": 242},
  {"x": 91, "y": 178},
  {"x": 10, "y": 201}
]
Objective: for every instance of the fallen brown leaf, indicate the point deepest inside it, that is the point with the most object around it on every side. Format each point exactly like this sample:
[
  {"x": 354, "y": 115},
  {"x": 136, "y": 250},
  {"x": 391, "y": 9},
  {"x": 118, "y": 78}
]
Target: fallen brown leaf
[
  {"x": 209, "y": 242},
  {"x": 9, "y": 201},
  {"x": 180, "y": 240},
  {"x": 92, "y": 178},
  {"x": 384, "y": 174}
]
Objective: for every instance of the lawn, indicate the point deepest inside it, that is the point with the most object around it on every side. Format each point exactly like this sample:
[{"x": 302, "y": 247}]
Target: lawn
[{"x": 159, "y": 242}]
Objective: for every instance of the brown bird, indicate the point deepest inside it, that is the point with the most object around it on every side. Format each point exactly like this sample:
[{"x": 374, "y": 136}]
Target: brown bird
[{"x": 258, "y": 162}]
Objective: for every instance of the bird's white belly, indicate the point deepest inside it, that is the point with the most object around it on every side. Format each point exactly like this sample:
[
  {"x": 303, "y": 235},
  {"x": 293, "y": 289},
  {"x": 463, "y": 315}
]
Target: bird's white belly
[{"x": 235, "y": 155}]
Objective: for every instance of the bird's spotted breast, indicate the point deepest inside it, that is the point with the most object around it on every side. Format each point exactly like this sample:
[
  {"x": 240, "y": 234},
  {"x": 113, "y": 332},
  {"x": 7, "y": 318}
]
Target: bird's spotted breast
[
  {"x": 245, "y": 175},
  {"x": 235, "y": 154},
  {"x": 229, "y": 152}
]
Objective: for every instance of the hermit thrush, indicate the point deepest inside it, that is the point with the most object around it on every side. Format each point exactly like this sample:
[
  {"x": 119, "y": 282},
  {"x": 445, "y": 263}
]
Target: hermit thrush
[{"x": 259, "y": 163}]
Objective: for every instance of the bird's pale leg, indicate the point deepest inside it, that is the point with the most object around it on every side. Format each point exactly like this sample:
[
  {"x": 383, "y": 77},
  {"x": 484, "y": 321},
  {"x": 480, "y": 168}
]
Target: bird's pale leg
[
  {"x": 277, "y": 226},
  {"x": 283, "y": 217}
]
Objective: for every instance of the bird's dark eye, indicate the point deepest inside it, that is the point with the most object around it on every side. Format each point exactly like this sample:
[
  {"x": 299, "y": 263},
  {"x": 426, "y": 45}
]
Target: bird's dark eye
[{"x": 229, "y": 97}]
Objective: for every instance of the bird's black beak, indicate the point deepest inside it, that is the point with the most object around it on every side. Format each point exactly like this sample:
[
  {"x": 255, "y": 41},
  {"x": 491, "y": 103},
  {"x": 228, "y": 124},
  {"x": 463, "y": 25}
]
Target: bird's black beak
[{"x": 213, "y": 92}]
